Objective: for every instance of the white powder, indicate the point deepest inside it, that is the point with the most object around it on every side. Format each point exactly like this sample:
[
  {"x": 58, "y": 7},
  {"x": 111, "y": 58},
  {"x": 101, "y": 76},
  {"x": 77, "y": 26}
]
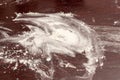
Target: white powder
[{"x": 56, "y": 33}]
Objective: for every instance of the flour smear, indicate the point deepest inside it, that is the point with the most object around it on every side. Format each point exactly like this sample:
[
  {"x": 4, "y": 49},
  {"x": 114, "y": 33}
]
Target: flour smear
[{"x": 51, "y": 34}]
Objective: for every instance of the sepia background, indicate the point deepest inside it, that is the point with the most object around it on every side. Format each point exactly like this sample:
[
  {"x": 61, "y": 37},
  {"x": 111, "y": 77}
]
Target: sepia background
[{"x": 101, "y": 15}]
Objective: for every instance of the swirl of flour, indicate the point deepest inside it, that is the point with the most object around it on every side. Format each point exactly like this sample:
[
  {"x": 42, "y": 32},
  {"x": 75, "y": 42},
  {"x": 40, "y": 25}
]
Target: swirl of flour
[{"x": 59, "y": 33}]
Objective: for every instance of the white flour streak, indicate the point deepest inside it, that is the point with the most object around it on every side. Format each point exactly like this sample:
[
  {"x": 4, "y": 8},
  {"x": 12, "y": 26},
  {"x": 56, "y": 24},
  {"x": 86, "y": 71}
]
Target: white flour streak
[{"x": 57, "y": 33}]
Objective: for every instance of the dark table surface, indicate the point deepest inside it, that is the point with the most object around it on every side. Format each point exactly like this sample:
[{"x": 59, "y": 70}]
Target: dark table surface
[
  {"x": 100, "y": 12},
  {"x": 93, "y": 12}
]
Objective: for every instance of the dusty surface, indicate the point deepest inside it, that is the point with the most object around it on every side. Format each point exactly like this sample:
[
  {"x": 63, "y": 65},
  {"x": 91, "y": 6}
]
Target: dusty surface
[{"x": 93, "y": 12}]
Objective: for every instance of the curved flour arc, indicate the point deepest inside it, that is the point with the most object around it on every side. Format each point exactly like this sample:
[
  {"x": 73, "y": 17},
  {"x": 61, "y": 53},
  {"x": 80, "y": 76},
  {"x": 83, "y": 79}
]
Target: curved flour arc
[{"x": 55, "y": 33}]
